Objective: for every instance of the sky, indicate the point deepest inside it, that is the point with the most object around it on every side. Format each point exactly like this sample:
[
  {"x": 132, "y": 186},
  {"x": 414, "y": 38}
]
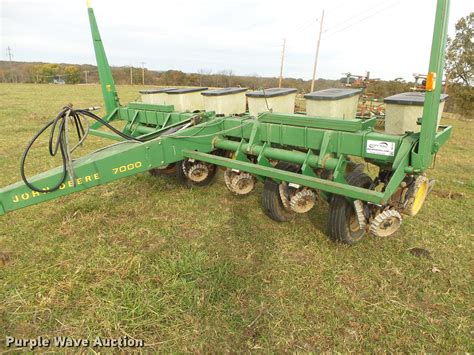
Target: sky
[{"x": 389, "y": 38}]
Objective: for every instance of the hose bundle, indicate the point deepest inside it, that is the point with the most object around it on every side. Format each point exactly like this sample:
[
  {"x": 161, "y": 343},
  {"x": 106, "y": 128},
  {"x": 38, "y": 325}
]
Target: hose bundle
[{"x": 59, "y": 141}]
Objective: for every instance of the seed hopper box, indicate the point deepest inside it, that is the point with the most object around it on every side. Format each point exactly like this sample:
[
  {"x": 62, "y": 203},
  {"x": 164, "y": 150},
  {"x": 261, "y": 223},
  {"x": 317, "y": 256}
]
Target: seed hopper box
[
  {"x": 155, "y": 96},
  {"x": 402, "y": 112},
  {"x": 187, "y": 99},
  {"x": 227, "y": 101},
  {"x": 280, "y": 100},
  {"x": 337, "y": 103}
]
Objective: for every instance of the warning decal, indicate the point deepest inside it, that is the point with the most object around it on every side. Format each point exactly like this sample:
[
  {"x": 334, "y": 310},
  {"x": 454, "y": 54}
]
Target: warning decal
[{"x": 381, "y": 148}]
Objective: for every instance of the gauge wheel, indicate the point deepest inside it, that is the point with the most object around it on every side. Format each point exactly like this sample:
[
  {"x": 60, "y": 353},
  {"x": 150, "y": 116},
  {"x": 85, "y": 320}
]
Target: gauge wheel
[
  {"x": 272, "y": 203},
  {"x": 343, "y": 222},
  {"x": 182, "y": 177}
]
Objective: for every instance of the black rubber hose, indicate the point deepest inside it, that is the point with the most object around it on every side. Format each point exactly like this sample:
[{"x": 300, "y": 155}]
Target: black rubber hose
[
  {"x": 25, "y": 154},
  {"x": 60, "y": 143}
]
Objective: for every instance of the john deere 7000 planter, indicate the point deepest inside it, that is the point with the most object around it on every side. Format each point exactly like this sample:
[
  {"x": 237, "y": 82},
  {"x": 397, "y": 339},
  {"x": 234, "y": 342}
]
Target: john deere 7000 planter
[{"x": 298, "y": 158}]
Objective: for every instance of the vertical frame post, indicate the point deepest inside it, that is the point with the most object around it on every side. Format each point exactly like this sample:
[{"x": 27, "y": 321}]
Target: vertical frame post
[{"x": 431, "y": 106}]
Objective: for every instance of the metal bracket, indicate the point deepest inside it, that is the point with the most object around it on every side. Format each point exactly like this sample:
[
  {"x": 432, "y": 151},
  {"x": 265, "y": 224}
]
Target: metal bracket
[
  {"x": 308, "y": 171},
  {"x": 134, "y": 118},
  {"x": 324, "y": 147},
  {"x": 168, "y": 116},
  {"x": 263, "y": 161},
  {"x": 340, "y": 169}
]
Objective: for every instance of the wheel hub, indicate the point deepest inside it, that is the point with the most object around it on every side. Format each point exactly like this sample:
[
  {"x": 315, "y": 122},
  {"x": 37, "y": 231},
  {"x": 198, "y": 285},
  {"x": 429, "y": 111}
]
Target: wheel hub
[
  {"x": 197, "y": 172},
  {"x": 302, "y": 201}
]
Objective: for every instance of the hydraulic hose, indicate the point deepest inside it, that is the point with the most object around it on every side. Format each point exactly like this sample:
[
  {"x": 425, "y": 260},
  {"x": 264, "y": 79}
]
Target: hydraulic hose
[{"x": 60, "y": 125}]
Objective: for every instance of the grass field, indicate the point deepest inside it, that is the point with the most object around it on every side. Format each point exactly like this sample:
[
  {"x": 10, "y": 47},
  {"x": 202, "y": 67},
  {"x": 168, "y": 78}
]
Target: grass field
[{"x": 201, "y": 270}]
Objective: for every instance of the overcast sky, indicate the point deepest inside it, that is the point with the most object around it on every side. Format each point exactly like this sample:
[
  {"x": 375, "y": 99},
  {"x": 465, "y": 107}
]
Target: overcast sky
[{"x": 391, "y": 38}]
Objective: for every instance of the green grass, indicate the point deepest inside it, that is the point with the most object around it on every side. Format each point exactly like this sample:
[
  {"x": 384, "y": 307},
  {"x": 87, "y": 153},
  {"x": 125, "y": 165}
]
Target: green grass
[{"x": 202, "y": 270}]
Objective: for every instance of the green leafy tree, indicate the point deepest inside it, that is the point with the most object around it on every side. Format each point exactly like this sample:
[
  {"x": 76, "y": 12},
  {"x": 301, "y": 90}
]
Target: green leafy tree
[
  {"x": 460, "y": 68},
  {"x": 72, "y": 75},
  {"x": 46, "y": 73},
  {"x": 460, "y": 54}
]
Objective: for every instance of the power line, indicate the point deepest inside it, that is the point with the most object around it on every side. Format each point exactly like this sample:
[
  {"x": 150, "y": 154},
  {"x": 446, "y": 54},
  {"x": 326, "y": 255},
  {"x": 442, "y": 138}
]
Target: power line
[
  {"x": 362, "y": 19},
  {"x": 331, "y": 9},
  {"x": 304, "y": 25},
  {"x": 354, "y": 17}
]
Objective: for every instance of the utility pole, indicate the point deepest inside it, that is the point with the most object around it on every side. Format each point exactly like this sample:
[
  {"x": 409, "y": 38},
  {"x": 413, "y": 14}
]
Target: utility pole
[
  {"x": 317, "y": 51},
  {"x": 282, "y": 61},
  {"x": 131, "y": 75},
  {"x": 10, "y": 56},
  {"x": 86, "y": 72},
  {"x": 9, "y": 53},
  {"x": 143, "y": 72}
]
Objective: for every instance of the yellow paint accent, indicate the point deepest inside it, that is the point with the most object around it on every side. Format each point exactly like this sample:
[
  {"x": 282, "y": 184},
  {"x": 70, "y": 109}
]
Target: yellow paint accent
[
  {"x": 69, "y": 184},
  {"x": 108, "y": 87},
  {"x": 89, "y": 4},
  {"x": 420, "y": 197},
  {"x": 128, "y": 167}
]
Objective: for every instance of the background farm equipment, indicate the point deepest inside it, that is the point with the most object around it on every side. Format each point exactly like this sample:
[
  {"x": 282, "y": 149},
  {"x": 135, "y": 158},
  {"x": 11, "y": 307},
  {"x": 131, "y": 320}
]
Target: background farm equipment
[
  {"x": 298, "y": 158},
  {"x": 370, "y": 104},
  {"x": 357, "y": 81}
]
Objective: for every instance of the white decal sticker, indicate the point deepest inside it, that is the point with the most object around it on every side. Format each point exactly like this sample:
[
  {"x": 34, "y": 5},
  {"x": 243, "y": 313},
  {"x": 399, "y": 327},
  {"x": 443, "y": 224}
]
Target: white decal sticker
[{"x": 381, "y": 148}]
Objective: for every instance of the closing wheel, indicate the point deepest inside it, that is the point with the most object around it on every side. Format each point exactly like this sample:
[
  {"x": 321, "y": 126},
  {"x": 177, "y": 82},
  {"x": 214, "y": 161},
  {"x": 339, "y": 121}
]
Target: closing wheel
[
  {"x": 272, "y": 203},
  {"x": 386, "y": 223},
  {"x": 194, "y": 173},
  {"x": 239, "y": 182},
  {"x": 344, "y": 225}
]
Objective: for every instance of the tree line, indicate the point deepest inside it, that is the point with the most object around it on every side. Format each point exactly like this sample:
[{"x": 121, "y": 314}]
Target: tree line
[{"x": 43, "y": 73}]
